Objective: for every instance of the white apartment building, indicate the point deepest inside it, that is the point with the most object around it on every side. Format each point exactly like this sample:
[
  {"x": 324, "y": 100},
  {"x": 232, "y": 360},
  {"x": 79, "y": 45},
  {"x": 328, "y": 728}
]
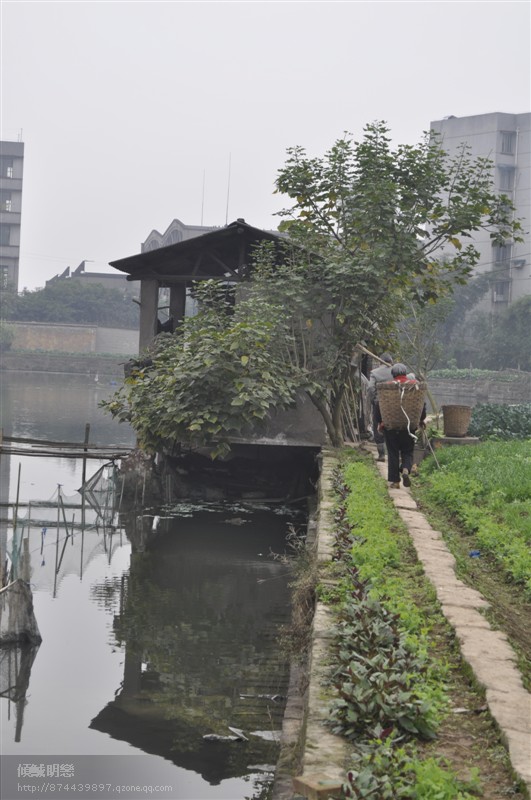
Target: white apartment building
[
  {"x": 505, "y": 139},
  {"x": 11, "y": 168}
]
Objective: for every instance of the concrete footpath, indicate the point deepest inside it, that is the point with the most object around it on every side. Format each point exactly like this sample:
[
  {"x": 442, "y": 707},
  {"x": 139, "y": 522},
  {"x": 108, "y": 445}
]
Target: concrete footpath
[{"x": 486, "y": 650}]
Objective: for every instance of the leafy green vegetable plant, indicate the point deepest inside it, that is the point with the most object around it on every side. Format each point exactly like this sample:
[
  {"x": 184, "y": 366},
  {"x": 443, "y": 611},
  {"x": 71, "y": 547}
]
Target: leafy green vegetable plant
[
  {"x": 390, "y": 690},
  {"x": 491, "y": 421},
  {"x": 486, "y": 489}
]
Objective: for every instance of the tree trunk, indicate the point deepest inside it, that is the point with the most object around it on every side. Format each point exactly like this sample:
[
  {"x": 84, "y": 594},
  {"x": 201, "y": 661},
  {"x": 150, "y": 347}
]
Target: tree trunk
[{"x": 335, "y": 433}]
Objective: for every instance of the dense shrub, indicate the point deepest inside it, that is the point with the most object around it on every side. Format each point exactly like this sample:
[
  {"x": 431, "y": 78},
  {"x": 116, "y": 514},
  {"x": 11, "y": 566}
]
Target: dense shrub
[
  {"x": 491, "y": 421},
  {"x": 6, "y": 335},
  {"x": 473, "y": 374},
  {"x": 71, "y": 302}
]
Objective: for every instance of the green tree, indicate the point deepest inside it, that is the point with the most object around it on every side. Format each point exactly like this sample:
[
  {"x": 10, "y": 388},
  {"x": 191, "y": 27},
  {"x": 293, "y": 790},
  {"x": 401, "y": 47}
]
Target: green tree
[
  {"x": 220, "y": 375},
  {"x": 503, "y": 339},
  {"x": 7, "y": 335},
  {"x": 8, "y": 299},
  {"x": 372, "y": 222},
  {"x": 71, "y": 301},
  {"x": 433, "y": 333},
  {"x": 363, "y": 235}
]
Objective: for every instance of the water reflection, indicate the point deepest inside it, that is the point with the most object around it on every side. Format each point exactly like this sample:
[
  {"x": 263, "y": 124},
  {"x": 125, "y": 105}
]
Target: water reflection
[
  {"x": 159, "y": 626},
  {"x": 16, "y": 661},
  {"x": 198, "y": 616},
  {"x": 51, "y": 539},
  {"x": 57, "y": 407}
]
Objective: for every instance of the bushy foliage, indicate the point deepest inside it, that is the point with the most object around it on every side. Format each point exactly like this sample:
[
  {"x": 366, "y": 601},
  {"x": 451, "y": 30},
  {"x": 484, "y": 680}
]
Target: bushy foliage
[
  {"x": 371, "y": 221},
  {"x": 503, "y": 341},
  {"x": 6, "y": 335},
  {"x": 493, "y": 421},
  {"x": 73, "y": 302},
  {"x": 431, "y": 335},
  {"x": 220, "y": 374}
]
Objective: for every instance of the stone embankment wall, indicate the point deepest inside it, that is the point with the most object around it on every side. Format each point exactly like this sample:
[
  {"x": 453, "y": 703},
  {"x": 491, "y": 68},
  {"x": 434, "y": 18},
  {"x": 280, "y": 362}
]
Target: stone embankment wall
[
  {"x": 470, "y": 393},
  {"x": 44, "y": 336},
  {"x": 78, "y": 364}
]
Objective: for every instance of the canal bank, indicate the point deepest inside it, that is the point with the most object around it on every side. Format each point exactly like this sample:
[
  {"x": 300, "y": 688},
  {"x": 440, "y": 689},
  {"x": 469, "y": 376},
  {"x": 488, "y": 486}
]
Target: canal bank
[
  {"x": 92, "y": 364},
  {"x": 319, "y": 759}
]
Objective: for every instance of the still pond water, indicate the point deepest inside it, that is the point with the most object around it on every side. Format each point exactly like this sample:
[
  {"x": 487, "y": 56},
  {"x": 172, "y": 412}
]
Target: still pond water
[{"x": 143, "y": 654}]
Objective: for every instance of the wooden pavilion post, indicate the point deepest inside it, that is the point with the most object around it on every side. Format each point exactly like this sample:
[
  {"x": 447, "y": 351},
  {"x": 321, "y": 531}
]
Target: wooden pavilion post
[
  {"x": 177, "y": 302},
  {"x": 149, "y": 296}
]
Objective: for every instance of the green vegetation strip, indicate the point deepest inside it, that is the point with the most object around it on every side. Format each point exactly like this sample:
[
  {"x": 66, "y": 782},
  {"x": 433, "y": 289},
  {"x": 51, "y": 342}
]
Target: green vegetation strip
[
  {"x": 390, "y": 688},
  {"x": 478, "y": 374},
  {"x": 486, "y": 488},
  {"x": 499, "y": 422}
]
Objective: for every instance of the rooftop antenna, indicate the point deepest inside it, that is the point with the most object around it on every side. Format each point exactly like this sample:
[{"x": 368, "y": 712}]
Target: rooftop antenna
[
  {"x": 228, "y": 192},
  {"x": 203, "y": 199}
]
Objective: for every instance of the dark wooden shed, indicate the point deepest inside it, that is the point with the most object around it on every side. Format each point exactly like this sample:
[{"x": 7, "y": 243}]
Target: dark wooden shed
[{"x": 222, "y": 254}]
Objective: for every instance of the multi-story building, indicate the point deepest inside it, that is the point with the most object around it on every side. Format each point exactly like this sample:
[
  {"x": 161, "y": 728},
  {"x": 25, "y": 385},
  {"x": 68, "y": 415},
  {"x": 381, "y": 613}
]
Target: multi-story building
[
  {"x": 505, "y": 139},
  {"x": 176, "y": 232},
  {"x": 11, "y": 168}
]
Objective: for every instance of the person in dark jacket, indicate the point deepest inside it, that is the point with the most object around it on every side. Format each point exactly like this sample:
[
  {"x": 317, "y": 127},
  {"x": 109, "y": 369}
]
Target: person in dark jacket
[
  {"x": 378, "y": 375},
  {"x": 400, "y": 443}
]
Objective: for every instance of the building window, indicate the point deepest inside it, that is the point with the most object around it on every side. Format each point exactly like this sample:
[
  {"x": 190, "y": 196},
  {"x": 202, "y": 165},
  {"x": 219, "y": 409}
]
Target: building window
[
  {"x": 174, "y": 237},
  {"x": 500, "y": 291},
  {"x": 502, "y": 253},
  {"x": 4, "y": 277},
  {"x": 5, "y": 201},
  {"x": 6, "y": 167},
  {"x": 5, "y": 233},
  {"x": 508, "y": 142},
  {"x": 506, "y": 178}
]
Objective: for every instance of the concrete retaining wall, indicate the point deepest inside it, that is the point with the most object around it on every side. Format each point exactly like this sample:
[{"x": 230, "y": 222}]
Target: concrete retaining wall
[
  {"x": 82, "y": 364},
  {"x": 470, "y": 393},
  {"x": 41, "y": 336}
]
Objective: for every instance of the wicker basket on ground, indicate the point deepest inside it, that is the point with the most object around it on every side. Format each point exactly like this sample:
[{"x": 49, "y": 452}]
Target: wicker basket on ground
[
  {"x": 456, "y": 420},
  {"x": 401, "y": 404}
]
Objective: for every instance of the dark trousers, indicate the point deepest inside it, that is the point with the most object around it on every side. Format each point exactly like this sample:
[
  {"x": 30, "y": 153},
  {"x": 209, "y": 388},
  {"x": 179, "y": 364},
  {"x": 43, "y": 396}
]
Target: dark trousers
[
  {"x": 400, "y": 446},
  {"x": 377, "y": 436}
]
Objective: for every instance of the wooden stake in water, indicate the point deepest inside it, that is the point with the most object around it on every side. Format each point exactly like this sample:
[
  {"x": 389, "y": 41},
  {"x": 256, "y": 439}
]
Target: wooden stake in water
[
  {"x": 84, "y": 476},
  {"x": 57, "y": 538},
  {"x": 15, "y": 512},
  {"x": 85, "y": 442}
]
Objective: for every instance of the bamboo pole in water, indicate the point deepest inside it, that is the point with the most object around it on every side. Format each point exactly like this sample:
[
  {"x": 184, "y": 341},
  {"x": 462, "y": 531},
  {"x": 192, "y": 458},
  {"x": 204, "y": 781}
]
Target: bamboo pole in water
[
  {"x": 15, "y": 513},
  {"x": 57, "y": 539},
  {"x": 84, "y": 477},
  {"x": 85, "y": 449}
]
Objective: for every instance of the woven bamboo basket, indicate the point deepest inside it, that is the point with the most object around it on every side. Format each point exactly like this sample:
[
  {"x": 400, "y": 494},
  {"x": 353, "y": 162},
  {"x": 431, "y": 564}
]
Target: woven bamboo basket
[
  {"x": 456, "y": 420},
  {"x": 401, "y": 404}
]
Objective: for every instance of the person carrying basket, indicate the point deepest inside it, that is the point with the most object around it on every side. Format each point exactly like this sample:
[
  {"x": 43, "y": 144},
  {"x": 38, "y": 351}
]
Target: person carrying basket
[{"x": 399, "y": 433}]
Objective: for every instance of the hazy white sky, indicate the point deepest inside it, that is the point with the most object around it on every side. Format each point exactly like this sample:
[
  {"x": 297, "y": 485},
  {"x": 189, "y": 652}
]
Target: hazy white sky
[{"x": 128, "y": 108}]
